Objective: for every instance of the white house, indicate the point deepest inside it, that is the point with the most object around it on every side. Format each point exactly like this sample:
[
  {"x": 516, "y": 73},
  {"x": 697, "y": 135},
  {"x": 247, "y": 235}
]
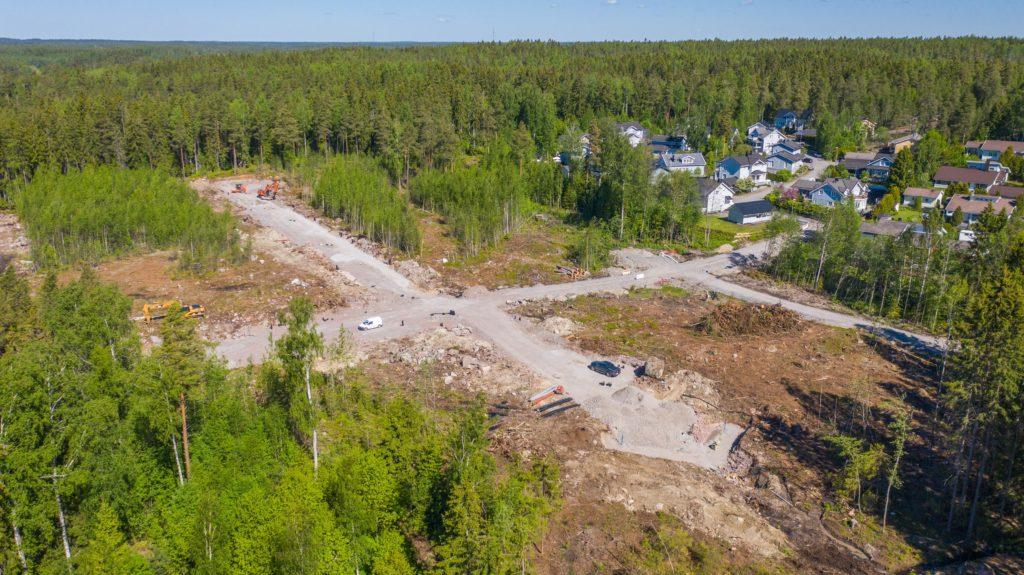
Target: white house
[
  {"x": 750, "y": 212},
  {"x": 929, "y": 197},
  {"x": 634, "y": 132},
  {"x": 714, "y": 196},
  {"x": 764, "y": 138},
  {"x": 835, "y": 190},
  {"x": 752, "y": 167},
  {"x": 692, "y": 162}
]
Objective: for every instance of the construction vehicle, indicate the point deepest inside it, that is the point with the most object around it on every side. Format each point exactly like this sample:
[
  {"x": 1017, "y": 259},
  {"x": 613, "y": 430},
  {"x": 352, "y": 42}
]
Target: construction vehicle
[
  {"x": 239, "y": 189},
  {"x": 269, "y": 191},
  {"x": 159, "y": 310}
]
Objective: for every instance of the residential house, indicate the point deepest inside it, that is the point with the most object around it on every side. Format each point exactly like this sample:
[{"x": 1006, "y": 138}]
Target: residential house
[
  {"x": 986, "y": 149},
  {"x": 692, "y": 162},
  {"x": 783, "y": 160},
  {"x": 897, "y": 145},
  {"x": 836, "y": 190},
  {"x": 929, "y": 198},
  {"x": 790, "y": 120},
  {"x": 664, "y": 144},
  {"x": 763, "y": 137},
  {"x": 876, "y": 165},
  {"x": 988, "y": 165},
  {"x": 751, "y": 166},
  {"x": 715, "y": 196},
  {"x": 805, "y": 187},
  {"x": 1006, "y": 191},
  {"x": 973, "y": 205},
  {"x": 885, "y": 227},
  {"x": 634, "y": 132},
  {"x": 750, "y": 212},
  {"x": 976, "y": 180},
  {"x": 791, "y": 146}
]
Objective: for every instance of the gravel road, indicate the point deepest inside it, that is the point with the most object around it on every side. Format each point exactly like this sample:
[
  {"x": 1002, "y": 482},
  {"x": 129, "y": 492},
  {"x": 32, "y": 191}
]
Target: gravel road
[{"x": 406, "y": 310}]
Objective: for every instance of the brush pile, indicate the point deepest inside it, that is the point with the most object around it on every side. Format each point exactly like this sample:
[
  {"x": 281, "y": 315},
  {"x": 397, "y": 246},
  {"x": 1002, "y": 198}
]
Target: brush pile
[{"x": 736, "y": 318}]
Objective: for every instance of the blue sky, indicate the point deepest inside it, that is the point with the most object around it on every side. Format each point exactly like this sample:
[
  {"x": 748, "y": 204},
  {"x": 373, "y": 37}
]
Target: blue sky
[{"x": 464, "y": 20}]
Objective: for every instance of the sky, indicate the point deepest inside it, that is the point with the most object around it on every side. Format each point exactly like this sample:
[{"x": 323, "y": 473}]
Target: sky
[{"x": 464, "y": 20}]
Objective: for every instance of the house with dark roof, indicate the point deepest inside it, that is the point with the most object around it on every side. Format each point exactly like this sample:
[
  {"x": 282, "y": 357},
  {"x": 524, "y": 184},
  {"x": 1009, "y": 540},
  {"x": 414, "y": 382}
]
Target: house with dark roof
[
  {"x": 975, "y": 180},
  {"x": 750, "y": 167},
  {"x": 834, "y": 191},
  {"x": 928, "y": 197},
  {"x": 791, "y": 146},
  {"x": 764, "y": 137},
  {"x": 1006, "y": 191},
  {"x": 668, "y": 144},
  {"x": 876, "y": 165},
  {"x": 750, "y": 212},
  {"x": 791, "y": 120},
  {"x": 784, "y": 160},
  {"x": 715, "y": 196},
  {"x": 986, "y": 149},
  {"x": 973, "y": 205}
]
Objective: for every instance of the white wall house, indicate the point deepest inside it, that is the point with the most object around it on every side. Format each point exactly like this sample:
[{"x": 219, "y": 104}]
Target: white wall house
[
  {"x": 692, "y": 162},
  {"x": 635, "y": 133},
  {"x": 764, "y": 138},
  {"x": 715, "y": 196},
  {"x": 834, "y": 191}
]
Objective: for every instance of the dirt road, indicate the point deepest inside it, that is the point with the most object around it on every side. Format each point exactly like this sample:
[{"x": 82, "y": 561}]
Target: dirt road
[{"x": 406, "y": 310}]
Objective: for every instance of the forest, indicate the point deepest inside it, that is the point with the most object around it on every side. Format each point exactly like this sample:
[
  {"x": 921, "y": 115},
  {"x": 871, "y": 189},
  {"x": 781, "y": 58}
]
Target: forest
[
  {"x": 89, "y": 214},
  {"x": 115, "y": 461}
]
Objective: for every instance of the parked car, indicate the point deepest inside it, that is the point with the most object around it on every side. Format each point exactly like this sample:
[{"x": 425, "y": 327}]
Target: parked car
[
  {"x": 371, "y": 323},
  {"x": 605, "y": 368}
]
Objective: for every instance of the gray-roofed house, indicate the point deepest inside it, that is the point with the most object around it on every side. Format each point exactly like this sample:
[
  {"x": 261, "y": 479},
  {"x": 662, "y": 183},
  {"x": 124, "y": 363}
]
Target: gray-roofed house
[
  {"x": 668, "y": 144},
  {"x": 783, "y": 160},
  {"x": 885, "y": 227},
  {"x": 692, "y": 162},
  {"x": 750, "y": 212},
  {"x": 876, "y": 165},
  {"x": 897, "y": 145},
  {"x": 750, "y": 167},
  {"x": 929, "y": 197},
  {"x": 986, "y": 149},
  {"x": 791, "y": 146},
  {"x": 791, "y": 120},
  {"x": 835, "y": 190},
  {"x": 715, "y": 196},
  {"x": 763, "y": 137}
]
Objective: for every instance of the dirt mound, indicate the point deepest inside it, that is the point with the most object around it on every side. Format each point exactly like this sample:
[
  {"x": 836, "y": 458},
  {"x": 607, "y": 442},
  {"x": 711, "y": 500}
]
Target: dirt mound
[{"x": 736, "y": 318}]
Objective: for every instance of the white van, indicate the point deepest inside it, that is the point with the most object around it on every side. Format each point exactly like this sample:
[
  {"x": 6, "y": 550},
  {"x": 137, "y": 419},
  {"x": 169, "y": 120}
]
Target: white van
[{"x": 371, "y": 323}]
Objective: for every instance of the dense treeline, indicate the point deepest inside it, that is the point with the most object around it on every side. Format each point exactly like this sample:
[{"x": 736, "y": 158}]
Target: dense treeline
[
  {"x": 973, "y": 295},
  {"x": 356, "y": 189},
  {"x": 101, "y": 211},
  {"x": 422, "y": 107},
  {"x": 112, "y": 461}
]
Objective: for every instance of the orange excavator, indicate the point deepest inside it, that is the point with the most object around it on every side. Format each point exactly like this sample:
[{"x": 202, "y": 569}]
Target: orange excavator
[
  {"x": 239, "y": 189},
  {"x": 269, "y": 192}
]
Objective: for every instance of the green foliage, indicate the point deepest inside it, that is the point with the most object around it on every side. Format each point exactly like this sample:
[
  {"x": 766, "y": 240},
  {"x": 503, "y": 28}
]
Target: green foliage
[
  {"x": 356, "y": 189},
  {"x": 103, "y": 211},
  {"x": 95, "y": 425},
  {"x": 862, "y": 464},
  {"x": 781, "y": 176},
  {"x": 592, "y": 250}
]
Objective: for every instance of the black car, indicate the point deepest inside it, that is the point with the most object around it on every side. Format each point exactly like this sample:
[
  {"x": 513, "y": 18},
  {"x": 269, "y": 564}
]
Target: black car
[{"x": 605, "y": 368}]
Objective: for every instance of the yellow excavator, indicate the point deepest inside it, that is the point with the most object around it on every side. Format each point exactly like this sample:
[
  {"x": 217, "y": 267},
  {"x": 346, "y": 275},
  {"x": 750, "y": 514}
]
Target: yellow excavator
[{"x": 159, "y": 310}]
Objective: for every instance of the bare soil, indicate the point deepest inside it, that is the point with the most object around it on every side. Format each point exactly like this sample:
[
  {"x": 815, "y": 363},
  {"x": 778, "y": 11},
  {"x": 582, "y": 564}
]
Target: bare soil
[{"x": 14, "y": 246}]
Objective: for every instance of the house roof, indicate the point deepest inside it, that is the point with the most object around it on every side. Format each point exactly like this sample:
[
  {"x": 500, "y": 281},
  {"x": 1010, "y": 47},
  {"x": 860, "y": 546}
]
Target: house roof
[
  {"x": 748, "y": 160},
  {"x": 791, "y": 145},
  {"x": 807, "y": 185},
  {"x": 789, "y": 157},
  {"x": 866, "y": 156},
  {"x": 908, "y": 138},
  {"x": 707, "y": 186},
  {"x": 1008, "y": 192},
  {"x": 927, "y": 193},
  {"x": 890, "y": 228},
  {"x": 966, "y": 175},
  {"x": 996, "y": 145},
  {"x": 785, "y": 112},
  {"x": 624, "y": 126},
  {"x": 975, "y": 204},
  {"x": 683, "y": 160},
  {"x": 753, "y": 208},
  {"x": 846, "y": 186}
]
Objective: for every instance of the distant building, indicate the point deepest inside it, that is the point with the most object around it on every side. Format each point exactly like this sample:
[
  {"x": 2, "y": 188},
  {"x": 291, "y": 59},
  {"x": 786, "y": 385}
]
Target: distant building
[
  {"x": 973, "y": 205},
  {"x": 750, "y": 212},
  {"x": 897, "y": 145},
  {"x": 790, "y": 120},
  {"x": 975, "y": 180},
  {"x": 764, "y": 137},
  {"x": 664, "y": 144},
  {"x": 986, "y": 149},
  {"x": 634, "y": 132},
  {"x": 885, "y": 227},
  {"x": 876, "y": 165},
  {"x": 692, "y": 162},
  {"x": 929, "y": 197}
]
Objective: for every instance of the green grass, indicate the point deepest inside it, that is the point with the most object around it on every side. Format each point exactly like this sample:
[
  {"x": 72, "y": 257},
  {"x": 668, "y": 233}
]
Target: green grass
[{"x": 907, "y": 215}]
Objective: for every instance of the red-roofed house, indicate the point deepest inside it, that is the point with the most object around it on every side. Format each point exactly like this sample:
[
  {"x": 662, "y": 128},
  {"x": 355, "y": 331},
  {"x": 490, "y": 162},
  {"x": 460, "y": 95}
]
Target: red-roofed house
[{"x": 974, "y": 179}]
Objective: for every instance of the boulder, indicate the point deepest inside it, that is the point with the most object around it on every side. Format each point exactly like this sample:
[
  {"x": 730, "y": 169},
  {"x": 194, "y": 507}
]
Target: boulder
[
  {"x": 559, "y": 325},
  {"x": 724, "y": 249},
  {"x": 654, "y": 367}
]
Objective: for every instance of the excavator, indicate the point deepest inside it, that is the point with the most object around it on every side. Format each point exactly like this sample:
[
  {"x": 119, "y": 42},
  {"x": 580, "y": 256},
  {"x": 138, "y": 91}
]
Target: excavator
[
  {"x": 239, "y": 189},
  {"x": 159, "y": 310},
  {"x": 269, "y": 192}
]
